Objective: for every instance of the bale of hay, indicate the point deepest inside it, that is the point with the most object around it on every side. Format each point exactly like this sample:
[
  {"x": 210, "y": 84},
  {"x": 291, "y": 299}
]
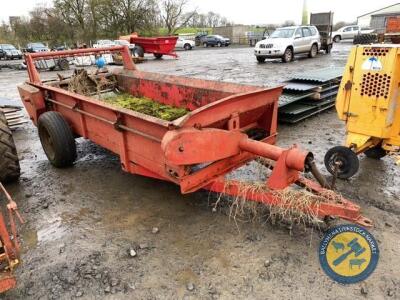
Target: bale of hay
[{"x": 146, "y": 106}]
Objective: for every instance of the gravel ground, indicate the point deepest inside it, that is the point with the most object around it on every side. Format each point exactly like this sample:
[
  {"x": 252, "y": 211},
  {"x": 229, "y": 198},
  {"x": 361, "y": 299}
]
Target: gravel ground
[{"x": 94, "y": 232}]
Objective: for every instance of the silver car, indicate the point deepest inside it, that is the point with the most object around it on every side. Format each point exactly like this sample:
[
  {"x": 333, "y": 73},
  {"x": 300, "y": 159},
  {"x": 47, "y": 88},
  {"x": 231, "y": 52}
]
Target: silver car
[
  {"x": 285, "y": 42},
  {"x": 349, "y": 32}
]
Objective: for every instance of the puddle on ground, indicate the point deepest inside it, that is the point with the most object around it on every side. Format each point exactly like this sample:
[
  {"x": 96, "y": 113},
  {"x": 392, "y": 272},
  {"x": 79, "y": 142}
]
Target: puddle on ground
[
  {"x": 29, "y": 240},
  {"x": 79, "y": 216},
  {"x": 52, "y": 231},
  {"x": 55, "y": 228}
]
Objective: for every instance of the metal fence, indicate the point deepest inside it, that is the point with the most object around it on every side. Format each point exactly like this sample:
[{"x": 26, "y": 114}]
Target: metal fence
[{"x": 247, "y": 39}]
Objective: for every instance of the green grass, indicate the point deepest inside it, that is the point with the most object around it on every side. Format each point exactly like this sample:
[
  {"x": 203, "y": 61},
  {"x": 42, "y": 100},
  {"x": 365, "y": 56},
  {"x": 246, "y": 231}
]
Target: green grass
[
  {"x": 163, "y": 31},
  {"x": 146, "y": 106}
]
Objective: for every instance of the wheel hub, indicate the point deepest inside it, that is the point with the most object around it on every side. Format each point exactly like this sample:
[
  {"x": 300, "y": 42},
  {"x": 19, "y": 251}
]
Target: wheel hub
[{"x": 342, "y": 162}]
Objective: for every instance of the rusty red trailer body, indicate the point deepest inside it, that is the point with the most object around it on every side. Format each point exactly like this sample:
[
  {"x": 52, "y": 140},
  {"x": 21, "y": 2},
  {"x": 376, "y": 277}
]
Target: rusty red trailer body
[
  {"x": 227, "y": 126},
  {"x": 162, "y": 45},
  {"x": 9, "y": 250}
]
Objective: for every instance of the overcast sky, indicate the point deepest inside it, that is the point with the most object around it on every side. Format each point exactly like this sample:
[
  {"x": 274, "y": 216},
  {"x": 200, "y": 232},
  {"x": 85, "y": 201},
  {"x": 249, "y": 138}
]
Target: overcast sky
[{"x": 246, "y": 12}]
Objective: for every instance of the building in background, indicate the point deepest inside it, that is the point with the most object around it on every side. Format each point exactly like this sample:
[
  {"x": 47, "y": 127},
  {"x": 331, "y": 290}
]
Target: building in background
[
  {"x": 236, "y": 33},
  {"x": 378, "y": 15},
  {"x": 379, "y": 22}
]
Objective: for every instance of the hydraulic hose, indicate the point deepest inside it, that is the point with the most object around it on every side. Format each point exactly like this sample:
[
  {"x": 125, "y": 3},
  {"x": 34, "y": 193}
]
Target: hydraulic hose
[{"x": 312, "y": 167}]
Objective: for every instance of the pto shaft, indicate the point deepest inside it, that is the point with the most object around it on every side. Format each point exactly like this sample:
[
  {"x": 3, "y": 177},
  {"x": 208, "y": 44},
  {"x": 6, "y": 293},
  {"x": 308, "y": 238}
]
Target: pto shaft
[{"x": 295, "y": 159}]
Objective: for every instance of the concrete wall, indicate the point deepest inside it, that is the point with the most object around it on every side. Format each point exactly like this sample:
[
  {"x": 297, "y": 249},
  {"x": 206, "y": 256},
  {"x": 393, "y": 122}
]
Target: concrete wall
[{"x": 236, "y": 33}]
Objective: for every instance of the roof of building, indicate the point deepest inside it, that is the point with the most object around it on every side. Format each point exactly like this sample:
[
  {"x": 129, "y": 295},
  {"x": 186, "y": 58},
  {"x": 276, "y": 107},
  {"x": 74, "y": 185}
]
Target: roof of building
[
  {"x": 378, "y": 10},
  {"x": 386, "y": 14}
]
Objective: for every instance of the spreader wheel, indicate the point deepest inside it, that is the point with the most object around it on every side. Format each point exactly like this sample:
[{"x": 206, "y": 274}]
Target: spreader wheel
[
  {"x": 57, "y": 139},
  {"x": 341, "y": 162}
]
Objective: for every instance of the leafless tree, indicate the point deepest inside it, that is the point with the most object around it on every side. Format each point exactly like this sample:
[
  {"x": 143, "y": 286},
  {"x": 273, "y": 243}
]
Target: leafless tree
[
  {"x": 127, "y": 16},
  {"x": 211, "y": 19},
  {"x": 174, "y": 15},
  {"x": 288, "y": 23},
  {"x": 78, "y": 21}
]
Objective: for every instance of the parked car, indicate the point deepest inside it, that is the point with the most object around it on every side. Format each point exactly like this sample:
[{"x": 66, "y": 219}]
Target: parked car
[
  {"x": 124, "y": 43},
  {"x": 215, "y": 40},
  {"x": 59, "y": 48},
  {"x": 198, "y": 38},
  {"x": 36, "y": 47},
  {"x": 285, "y": 42},
  {"x": 182, "y": 43},
  {"x": 8, "y": 51},
  {"x": 349, "y": 32},
  {"x": 104, "y": 44}
]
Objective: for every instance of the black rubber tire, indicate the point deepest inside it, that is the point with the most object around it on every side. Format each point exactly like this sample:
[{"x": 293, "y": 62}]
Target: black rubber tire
[
  {"x": 9, "y": 162},
  {"x": 138, "y": 51},
  {"x": 187, "y": 47},
  {"x": 288, "y": 56},
  {"x": 313, "y": 51},
  {"x": 365, "y": 39},
  {"x": 205, "y": 45},
  {"x": 376, "y": 152},
  {"x": 219, "y": 44},
  {"x": 158, "y": 55},
  {"x": 337, "y": 38},
  {"x": 371, "y": 38},
  {"x": 348, "y": 159},
  {"x": 261, "y": 59},
  {"x": 358, "y": 39},
  {"x": 63, "y": 64},
  {"x": 57, "y": 139}
]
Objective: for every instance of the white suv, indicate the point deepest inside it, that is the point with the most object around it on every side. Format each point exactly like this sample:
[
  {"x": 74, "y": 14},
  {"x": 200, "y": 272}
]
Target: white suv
[
  {"x": 349, "y": 32},
  {"x": 182, "y": 43},
  {"x": 287, "y": 41}
]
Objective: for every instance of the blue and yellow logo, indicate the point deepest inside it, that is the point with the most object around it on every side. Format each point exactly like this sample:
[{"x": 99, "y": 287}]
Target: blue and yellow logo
[{"x": 348, "y": 253}]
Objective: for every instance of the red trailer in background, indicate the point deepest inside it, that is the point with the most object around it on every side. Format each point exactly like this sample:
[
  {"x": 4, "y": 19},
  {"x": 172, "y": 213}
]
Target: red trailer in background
[
  {"x": 393, "y": 29},
  {"x": 158, "y": 46}
]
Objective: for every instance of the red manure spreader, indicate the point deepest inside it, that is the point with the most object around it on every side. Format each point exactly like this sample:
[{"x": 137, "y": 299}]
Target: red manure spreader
[{"x": 227, "y": 125}]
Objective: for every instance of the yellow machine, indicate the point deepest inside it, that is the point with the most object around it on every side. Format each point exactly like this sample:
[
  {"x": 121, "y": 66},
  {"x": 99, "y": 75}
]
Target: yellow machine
[{"x": 369, "y": 102}]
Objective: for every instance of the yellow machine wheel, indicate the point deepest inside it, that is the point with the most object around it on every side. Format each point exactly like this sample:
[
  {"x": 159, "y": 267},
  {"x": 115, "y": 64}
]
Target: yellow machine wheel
[
  {"x": 376, "y": 152},
  {"x": 342, "y": 162}
]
